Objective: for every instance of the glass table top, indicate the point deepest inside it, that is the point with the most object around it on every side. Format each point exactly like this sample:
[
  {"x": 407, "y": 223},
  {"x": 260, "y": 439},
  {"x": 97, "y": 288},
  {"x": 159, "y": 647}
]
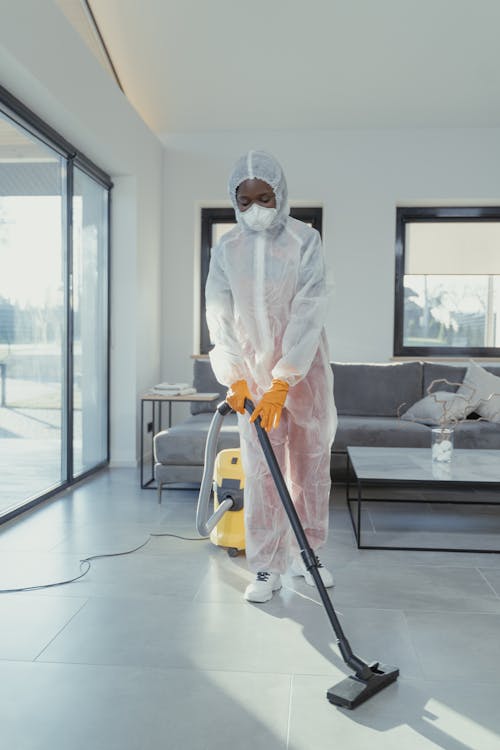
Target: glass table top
[{"x": 415, "y": 465}]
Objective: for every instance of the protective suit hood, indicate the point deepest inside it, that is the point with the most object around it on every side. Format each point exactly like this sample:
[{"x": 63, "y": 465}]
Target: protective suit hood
[{"x": 261, "y": 166}]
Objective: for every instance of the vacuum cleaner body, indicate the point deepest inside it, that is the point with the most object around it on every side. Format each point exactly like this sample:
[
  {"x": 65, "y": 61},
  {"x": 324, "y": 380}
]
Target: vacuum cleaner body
[
  {"x": 223, "y": 478},
  {"x": 229, "y": 482}
]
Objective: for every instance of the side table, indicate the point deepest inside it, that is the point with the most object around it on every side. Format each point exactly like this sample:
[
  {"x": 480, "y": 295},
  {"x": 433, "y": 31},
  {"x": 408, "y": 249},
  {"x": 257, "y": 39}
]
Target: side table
[{"x": 157, "y": 400}]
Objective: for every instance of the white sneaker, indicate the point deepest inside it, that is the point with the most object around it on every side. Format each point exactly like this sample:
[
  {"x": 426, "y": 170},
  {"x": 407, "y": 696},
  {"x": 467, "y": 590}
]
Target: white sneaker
[
  {"x": 297, "y": 568},
  {"x": 261, "y": 590}
]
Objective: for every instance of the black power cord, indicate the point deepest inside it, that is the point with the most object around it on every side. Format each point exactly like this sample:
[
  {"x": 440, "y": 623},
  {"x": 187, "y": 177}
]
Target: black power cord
[{"x": 87, "y": 561}]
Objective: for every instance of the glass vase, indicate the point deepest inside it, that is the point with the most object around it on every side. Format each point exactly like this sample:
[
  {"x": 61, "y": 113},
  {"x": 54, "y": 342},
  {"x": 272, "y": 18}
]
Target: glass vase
[{"x": 442, "y": 444}]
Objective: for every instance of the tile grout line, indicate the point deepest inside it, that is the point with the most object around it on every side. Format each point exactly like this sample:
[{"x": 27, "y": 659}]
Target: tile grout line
[
  {"x": 60, "y": 630},
  {"x": 413, "y": 647},
  {"x": 288, "y": 728},
  {"x": 374, "y": 530},
  {"x": 487, "y": 582}
]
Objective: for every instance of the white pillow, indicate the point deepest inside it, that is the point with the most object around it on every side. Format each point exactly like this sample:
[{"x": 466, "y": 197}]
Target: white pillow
[
  {"x": 440, "y": 406},
  {"x": 485, "y": 385}
]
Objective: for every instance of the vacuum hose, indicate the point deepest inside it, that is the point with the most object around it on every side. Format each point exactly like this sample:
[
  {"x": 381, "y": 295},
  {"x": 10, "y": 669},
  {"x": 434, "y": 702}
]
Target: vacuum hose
[{"x": 204, "y": 523}]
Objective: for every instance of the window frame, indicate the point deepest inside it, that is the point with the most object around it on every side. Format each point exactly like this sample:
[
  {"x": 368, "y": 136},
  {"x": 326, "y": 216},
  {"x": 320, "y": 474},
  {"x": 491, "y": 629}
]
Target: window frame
[
  {"x": 226, "y": 215},
  {"x": 13, "y": 109},
  {"x": 409, "y": 214}
]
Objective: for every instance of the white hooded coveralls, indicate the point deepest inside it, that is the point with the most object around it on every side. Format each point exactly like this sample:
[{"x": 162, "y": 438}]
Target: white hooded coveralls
[{"x": 266, "y": 304}]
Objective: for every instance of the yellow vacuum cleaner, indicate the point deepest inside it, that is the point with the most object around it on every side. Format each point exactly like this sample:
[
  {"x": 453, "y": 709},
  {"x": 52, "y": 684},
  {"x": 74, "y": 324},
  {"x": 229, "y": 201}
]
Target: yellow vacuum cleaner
[
  {"x": 229, "y": 482},
  {"x": 222, "y": 473}
]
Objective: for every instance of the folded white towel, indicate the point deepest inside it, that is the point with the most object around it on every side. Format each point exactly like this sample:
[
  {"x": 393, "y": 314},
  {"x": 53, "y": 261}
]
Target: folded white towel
[
  {"x": 181, "y": 390},
  {"x": 170, "y": 386}
]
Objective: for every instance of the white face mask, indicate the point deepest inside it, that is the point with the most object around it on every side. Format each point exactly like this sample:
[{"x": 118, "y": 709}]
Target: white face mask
[{"x": 258, "y": 218}]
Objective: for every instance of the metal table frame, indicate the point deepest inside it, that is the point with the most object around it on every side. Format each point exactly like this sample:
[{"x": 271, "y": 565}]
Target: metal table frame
[{"x": 406, "y": 484}]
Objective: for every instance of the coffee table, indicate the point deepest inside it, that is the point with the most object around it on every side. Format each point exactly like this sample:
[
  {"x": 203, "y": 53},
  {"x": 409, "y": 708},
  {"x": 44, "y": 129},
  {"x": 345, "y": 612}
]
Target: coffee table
[{"x": 406, "y": 468}]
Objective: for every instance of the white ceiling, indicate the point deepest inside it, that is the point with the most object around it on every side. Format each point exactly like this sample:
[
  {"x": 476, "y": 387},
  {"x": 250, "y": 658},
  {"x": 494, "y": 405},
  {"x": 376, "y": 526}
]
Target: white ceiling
[{"x": 204, "y": 65}]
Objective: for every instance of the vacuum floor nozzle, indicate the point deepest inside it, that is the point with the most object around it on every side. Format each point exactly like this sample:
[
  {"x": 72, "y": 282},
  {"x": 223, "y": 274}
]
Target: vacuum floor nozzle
[{"x": 353, "y": 691}]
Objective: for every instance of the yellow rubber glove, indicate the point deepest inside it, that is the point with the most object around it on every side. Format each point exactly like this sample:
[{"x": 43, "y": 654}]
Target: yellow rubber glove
[
  {"x": 237, "y": 394},
  {"x": 271, "y": 404}
]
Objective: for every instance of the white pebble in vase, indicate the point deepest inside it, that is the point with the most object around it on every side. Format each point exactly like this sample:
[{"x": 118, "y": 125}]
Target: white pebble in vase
[{"x": 442, "y": 445}]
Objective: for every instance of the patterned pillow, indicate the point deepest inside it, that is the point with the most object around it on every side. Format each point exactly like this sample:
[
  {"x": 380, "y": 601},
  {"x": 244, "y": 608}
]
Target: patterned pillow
[
  {"x": 486, "y": 390},
  {"x": 441, "y": 407}
]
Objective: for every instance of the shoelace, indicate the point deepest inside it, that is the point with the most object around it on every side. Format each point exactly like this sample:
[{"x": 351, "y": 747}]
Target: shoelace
[
  {"x": 263, "y": 577},
  {"x": 319, "y": 564}
]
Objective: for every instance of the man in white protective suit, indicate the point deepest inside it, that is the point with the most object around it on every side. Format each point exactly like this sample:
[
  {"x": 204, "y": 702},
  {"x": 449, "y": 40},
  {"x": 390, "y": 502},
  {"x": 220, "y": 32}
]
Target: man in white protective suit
[{"x": 266, "y": 305}]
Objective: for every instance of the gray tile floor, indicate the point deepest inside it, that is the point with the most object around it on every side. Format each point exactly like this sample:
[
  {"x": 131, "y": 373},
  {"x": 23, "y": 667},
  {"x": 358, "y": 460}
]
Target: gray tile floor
[{"x": 157, "y": 649}]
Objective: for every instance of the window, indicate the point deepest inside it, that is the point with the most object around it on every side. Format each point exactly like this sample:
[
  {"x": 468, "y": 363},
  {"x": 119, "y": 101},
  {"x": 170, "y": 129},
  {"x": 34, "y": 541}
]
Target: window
[
  {"x": 214, "y": 223},
  {"x": 447, "y": 282},
  {"x": 53, "y": 311},
  {"x": 90, "y": 322}
]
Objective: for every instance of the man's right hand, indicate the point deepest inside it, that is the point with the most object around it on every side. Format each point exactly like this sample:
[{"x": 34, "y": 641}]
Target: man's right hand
[{"x": 237, "y": 394}]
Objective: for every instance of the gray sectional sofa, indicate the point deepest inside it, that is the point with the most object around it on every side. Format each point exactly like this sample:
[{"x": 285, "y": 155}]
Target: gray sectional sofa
[{"x": 367, "y": 397}]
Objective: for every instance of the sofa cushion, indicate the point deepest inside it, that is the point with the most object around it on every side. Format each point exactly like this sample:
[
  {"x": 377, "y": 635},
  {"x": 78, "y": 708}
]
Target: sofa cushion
[
  {"x": 380, "y": 431},
  {"x": 485, "y": 390},
  {"x": 453, "y": 373},
  {"x": 376, "y": 389},
  {"x": 205, "y": 381},
  {"x": 441, "y": 407},
  {"x": 184, "y": 444},
  {"x": 173, "y": 474},
  {"x": 475, "y": 433},
  {"x": 438, "y": 371}
]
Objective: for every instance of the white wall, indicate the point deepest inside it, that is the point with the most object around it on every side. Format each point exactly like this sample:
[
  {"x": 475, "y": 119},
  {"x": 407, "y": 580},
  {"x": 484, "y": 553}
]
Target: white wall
[
  {"x": 359, "y": 177},
  {"x": 44, "y": 62}
]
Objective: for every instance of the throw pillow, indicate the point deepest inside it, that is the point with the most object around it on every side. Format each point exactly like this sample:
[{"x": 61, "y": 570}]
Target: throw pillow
[
  {"x": 486, "y": 391},
  {"x": 439, "y": 407}
]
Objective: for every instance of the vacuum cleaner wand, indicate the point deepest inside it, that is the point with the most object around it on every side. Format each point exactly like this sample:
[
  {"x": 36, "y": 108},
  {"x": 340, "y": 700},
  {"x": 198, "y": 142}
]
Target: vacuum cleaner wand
[{"x": 368, "y": 679}]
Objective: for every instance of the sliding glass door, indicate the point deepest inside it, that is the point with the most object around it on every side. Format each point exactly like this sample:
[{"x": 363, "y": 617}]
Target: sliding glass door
[
  {"x": 32, "y": 317},
  {"x": 53, "y": 317},
  {"x": 90, "y": 322}
]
